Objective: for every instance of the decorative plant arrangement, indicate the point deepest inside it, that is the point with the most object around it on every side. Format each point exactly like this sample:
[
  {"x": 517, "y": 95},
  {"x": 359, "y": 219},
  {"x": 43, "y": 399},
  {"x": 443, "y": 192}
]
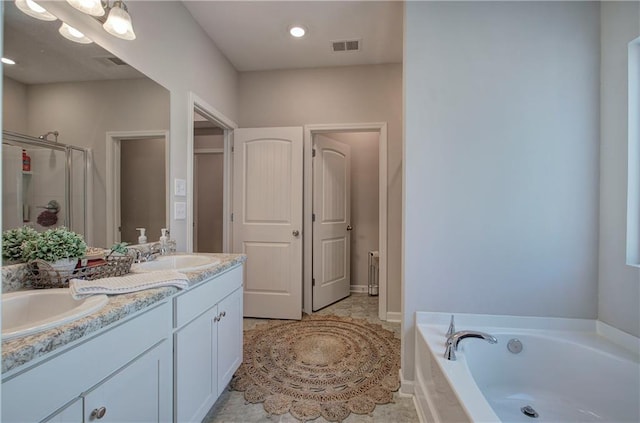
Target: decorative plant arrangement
[
  {"x": 12, "y": 241},
  {"x": 53, "y": 245},
  {"x": 53, "y": 256}
]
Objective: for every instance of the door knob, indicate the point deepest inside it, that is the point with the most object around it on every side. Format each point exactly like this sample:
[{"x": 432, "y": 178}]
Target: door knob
[
  {"x": 349, "y": 227},
  {"x": 296, "y": 232}
]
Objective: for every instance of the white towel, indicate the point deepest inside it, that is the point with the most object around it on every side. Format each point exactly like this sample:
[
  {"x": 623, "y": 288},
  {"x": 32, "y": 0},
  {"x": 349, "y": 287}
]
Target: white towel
[{"x": 129, "y": 283}]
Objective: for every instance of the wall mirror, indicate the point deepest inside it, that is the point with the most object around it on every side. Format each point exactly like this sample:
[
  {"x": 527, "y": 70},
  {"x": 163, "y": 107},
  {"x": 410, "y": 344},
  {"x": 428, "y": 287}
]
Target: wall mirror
[{"x": 94, "y": 102}]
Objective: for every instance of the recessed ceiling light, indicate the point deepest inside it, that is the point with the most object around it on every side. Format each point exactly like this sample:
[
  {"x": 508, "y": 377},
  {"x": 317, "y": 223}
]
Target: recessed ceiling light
[
  {"x": 297, "y": 31},
  {"x": 8, "y": 61}
]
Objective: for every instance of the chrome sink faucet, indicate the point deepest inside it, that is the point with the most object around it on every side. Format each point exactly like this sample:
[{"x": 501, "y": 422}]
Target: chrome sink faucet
[
  {"x": 454, "y": 339},
  {"x": 143, "y": 254}
]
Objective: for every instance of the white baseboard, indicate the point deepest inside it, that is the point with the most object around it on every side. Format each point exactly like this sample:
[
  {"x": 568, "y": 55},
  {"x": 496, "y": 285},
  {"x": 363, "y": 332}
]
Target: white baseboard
[
  {"x": 394, "y": 316},
  {"x": 422, "y": 418},
  {"x": 406, "y": 386},
  {"x": 360, "y": 289}
]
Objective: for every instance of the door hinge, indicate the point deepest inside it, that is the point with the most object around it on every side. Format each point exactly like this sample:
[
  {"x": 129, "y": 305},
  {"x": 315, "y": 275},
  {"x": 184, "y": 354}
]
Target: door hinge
[
  {"x": 233, "y": 149},
  {"x": 313, "y": 282},
  {"x": 313, "y": 217},
  {"x": 232, "y": 217},
  {"x": 313, "y": 152}
]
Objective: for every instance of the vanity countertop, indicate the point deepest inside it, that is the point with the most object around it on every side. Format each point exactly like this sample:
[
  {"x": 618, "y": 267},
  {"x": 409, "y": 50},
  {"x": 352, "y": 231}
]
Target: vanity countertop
[{"x": 19, "y": 351}]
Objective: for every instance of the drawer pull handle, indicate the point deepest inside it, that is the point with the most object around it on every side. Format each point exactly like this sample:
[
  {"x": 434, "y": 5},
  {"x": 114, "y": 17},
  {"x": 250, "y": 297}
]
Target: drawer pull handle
[
  {"x": 216, "y": 319},
  {"x": 98, "y": 413},
  {"x": 224, "y": 313}
]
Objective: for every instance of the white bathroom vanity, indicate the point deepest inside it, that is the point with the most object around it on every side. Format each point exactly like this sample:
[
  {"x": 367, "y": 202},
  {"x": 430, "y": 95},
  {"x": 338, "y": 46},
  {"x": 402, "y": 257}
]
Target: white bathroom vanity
[{"x": 156, "y": 356}]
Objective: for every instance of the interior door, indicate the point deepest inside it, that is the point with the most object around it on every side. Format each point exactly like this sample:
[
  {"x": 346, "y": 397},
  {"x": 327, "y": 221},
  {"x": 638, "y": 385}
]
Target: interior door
[
  {"x": 331, "y": 226},
  {"x": 267, "y": 219}
]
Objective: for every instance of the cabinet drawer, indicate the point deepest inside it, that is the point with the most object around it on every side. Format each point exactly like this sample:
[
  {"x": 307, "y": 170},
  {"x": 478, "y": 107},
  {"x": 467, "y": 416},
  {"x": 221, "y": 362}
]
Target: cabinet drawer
[
  {"x": 190, "y": 304},
  {"x": 34, "y": 394}
]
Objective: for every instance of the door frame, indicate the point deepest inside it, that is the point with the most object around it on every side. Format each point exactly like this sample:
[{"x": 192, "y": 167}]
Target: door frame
[
  {"x": 227, "y": 125},
  {"x": 307, "y": 209},
  {"x": 113, "y": 140}
]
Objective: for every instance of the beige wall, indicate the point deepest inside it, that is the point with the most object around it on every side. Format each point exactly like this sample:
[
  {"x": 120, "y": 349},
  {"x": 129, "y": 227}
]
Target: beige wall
[
  {"x": 182, "y": 59},
  {"x": 14, "y": 105},
  {"x": 350, "y": 94},
  {"x": 83, "y": 112},
  {"x": 208, "y": 190},
  {"x": 501, "y": 171},
  {"x": 143, "y": 194},
  {"x": 364, "y": 199}
]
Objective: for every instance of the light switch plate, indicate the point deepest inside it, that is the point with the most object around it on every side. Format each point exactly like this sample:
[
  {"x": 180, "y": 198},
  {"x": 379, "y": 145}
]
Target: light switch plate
[
  {"x": 180, "y": 186},
  {"x": 179, "y": 210}
]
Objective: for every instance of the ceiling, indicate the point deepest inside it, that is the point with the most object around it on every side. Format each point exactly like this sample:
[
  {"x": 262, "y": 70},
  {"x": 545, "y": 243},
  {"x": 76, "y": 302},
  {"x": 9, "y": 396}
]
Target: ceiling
[
  {"x": 44, "y": 56},
  {"x": 254, "y": 36}
]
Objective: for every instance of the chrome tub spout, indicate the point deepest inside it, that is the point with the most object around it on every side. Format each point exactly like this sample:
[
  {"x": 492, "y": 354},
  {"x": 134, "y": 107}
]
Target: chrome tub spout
[{"x": 454, "y": 339}]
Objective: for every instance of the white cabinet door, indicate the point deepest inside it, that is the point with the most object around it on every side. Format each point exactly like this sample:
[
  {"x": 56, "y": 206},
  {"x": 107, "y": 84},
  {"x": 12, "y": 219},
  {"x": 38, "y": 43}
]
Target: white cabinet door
[
  {"x": 230, "y": 338},
  {"x": 72, "y": 413},
  {"x": 139, "y": 392},
  {"x": 196, "y": 370}
]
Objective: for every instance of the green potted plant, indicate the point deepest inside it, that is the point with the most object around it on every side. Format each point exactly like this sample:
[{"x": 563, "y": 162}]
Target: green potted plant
[
  {"x": 12, "y": 241},
  {"x": 59, "y": 246}
]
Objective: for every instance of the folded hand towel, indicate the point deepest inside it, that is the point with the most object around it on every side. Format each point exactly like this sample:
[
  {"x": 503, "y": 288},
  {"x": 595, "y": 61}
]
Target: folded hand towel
[{"x": 129, "y": 283}]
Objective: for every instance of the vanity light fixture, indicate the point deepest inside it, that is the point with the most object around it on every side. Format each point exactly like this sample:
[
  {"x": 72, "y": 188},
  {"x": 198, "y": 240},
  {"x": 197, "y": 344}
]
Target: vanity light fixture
[
  {"x": 34, "y": 10},
  {"x": 90, "y": 7},
  {"x": 8, "y": 61},
  {"x": 297, "y": 31},
  {"x": 72, "y": 34},
  {"x": 118, "y": 22}
]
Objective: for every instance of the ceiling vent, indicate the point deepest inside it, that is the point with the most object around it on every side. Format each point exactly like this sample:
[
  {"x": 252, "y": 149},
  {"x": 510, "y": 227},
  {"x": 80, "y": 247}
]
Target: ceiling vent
[
  {"x": 346, "y": 45},
  {"x": 110, "y": 61},
  {"x": 117, "y": 61}
]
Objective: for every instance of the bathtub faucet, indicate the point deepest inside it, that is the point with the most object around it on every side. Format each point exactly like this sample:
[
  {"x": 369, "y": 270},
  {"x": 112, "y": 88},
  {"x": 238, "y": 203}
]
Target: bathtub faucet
[{"x": 454, "y": 340}]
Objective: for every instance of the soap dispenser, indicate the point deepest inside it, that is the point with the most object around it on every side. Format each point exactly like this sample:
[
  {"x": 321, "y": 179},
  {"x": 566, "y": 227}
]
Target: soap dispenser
[
  {"x": 163, "y": 237},
  {"x": 142, "y": 239}
]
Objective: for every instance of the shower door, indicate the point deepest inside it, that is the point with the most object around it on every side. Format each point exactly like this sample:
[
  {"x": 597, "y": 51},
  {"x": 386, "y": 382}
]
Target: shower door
[{"x": 51, "y": 191}]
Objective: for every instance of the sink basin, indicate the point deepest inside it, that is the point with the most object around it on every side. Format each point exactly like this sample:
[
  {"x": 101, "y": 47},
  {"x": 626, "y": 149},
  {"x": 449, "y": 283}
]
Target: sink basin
[
  {"x": 179, "y": 262},
  {"x": 29, "y": 312}
]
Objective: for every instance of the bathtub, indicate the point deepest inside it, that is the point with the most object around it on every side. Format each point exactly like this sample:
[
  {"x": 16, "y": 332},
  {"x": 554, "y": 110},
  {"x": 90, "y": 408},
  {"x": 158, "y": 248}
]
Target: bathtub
[{"x": 568, "y": 370}]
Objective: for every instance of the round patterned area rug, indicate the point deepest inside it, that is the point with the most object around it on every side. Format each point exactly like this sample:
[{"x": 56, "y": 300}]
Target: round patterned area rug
[{"x": 325, "y": 366}]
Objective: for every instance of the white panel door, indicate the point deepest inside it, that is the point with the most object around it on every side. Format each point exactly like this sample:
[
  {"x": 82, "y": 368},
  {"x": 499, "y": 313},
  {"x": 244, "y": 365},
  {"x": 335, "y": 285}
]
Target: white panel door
[
  {"x": 331, "y": 228},
  {"x": 267, "y": 222}
]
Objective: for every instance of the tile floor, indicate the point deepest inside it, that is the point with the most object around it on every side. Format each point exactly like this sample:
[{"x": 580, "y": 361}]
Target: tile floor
[{"x": 231, "y": 408}]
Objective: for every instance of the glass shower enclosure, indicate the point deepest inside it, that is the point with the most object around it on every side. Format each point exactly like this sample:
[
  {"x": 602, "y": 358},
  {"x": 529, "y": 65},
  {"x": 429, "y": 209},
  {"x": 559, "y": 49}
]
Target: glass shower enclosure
[{"x": 45, "y": 184}]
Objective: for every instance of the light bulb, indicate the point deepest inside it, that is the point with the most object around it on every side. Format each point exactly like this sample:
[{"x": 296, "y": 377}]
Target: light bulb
[
  {"x": 34, "y": 10},
  {"x": 118, "y": 23},
  {"x": 90, "y": 7},
  {"x": 72, "y": 34},
  {"x": 35, "y": 7}
]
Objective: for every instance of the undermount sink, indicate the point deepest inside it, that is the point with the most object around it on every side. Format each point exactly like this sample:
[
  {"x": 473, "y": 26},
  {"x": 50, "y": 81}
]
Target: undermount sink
[
  {"x": 179, "y": 262},
  {"x": 29, "y": 312}
]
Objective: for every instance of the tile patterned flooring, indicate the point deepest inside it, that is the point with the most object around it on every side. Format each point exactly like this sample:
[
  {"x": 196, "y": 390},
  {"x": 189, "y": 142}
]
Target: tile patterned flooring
[{"x": 231, "y": 407}]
